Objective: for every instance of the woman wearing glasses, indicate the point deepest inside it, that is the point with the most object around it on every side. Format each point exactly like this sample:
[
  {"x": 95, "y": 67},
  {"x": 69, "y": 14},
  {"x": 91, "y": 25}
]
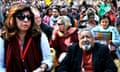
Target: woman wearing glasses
[
  {"x": 63, "y": 36},
  {"x": 24, "y": 43}
]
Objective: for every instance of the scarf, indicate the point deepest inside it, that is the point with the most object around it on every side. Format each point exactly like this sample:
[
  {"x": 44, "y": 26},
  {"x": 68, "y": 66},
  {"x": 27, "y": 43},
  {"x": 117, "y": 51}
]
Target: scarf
[{"x": 28, "y": 59}]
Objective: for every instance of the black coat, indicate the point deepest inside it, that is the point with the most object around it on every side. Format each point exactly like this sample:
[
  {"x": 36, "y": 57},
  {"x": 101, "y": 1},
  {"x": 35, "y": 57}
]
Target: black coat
[
  {"x": 102, "y": 61},
  {"x": 47, "y": 30}
]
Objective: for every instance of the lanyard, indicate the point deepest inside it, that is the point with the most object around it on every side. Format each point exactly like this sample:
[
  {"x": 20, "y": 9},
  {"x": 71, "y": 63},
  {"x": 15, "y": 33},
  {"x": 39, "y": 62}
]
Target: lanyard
[{"x": 23, "y": 52}]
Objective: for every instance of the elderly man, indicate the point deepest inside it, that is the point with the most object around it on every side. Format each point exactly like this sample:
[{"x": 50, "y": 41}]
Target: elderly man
[{"x": 87, "y": 56}]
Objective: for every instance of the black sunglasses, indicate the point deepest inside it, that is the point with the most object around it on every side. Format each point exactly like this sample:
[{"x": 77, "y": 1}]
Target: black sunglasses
[{"x": 22, "y": 16}]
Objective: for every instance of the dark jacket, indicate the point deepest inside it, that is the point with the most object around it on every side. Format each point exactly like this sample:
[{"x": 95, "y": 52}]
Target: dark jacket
[
  {"x": 47, "y": 30},
  {"x": 102, "y": 61}
]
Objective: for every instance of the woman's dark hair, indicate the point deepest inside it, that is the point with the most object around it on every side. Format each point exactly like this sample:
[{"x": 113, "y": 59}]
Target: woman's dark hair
[
  {"x": 114, "y": 3},
  {"x": 19, "y": 11},
  {"x": 84, "y": 3},
  {"x": 47, "y": 12},
  {"x": 104, "y": 17}
]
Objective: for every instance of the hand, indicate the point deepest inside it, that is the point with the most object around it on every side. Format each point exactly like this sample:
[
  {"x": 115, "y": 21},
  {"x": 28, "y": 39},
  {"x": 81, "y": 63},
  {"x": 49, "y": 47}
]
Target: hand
[
  {"x": 109, "y": 42},
  {"x": 56, "y": 27},
  {"x": 42, "y": 68},
  {"x": 45, "y": 66},
  {"x": 55, "y": 30},
  {"x": 112, "y": 48},
  {"x": 39, "y": 69},
  {"x": 2, "y": 32}
]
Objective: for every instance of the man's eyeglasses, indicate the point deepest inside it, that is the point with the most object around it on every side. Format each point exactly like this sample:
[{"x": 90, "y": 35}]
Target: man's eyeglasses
[{"x": 22, "y": 16}]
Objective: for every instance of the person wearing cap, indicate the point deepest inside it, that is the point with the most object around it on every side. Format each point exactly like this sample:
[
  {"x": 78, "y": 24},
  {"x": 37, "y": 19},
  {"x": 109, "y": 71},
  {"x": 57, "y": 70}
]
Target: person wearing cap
[
  {"x": 63, "y": 35},
  {"x": 75, "y": 15},
  {"x": 64, "y": 12}
]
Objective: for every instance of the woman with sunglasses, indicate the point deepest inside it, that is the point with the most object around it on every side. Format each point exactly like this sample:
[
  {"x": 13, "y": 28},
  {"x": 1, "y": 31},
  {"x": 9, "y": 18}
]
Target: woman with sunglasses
[
  {"x": 26, "y": 46},
  {"x": 63, "y": 36}
]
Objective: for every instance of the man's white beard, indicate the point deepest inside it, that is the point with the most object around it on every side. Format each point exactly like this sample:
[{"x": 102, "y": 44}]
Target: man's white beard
[{"x": 86, "y": 47}]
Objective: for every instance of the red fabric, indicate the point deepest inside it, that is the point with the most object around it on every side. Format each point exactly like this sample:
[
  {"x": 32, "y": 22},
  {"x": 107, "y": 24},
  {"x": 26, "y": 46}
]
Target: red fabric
[
  {"x": 61, "y": 43},
  {"x": 32, "y": 59},
  {"x": 46, "y": 20},
  {"x": 112, "y": 17},
  {"x": 87, "y": 62}
]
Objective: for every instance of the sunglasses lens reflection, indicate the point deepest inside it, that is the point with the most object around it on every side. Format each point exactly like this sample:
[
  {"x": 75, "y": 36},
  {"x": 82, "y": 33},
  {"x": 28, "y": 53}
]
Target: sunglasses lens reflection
[{"x": 22, "y": 17}]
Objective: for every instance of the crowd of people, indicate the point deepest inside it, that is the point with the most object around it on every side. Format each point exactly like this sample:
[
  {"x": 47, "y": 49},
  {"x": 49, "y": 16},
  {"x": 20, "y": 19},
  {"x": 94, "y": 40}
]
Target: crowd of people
[{"x": 68, "y": 38}]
